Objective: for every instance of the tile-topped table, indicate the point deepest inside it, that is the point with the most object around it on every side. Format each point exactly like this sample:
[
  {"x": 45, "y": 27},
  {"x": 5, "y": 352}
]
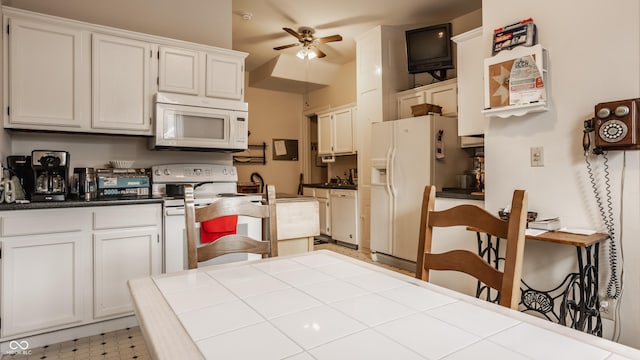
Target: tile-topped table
[{"x": 323, "y": 305}]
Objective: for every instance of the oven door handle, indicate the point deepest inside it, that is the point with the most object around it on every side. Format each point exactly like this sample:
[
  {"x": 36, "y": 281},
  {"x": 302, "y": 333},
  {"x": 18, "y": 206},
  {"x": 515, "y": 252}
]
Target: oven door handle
[{"x": 174, "y": 211}]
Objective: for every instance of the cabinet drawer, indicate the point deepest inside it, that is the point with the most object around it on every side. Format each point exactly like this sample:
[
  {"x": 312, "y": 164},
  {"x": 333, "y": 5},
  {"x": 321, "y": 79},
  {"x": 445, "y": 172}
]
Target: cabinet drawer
[
  {"x": 122, "y": 216},
  {"x": 49, "y": 221}
]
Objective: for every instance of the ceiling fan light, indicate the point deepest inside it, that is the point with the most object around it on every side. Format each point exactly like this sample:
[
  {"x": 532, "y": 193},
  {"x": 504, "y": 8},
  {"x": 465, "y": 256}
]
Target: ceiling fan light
[
  {"x": 301, "y": 53},
  {"x": 311, "y": 54}
]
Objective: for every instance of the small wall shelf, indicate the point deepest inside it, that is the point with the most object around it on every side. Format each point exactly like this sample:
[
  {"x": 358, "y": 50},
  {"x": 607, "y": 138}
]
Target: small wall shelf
[
  {"x": 252, "y": 159},
  {"x": 499, "y": 86}
]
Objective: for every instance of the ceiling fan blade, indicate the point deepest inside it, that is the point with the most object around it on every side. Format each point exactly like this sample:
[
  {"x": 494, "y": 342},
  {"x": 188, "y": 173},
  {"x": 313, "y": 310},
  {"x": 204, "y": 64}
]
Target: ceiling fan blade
[
  {"x": 318, "y": 52},
  {"x": 293, "y": 32},
  {"x": 331, "y": 38},
  {"x": 285, "y": 46}
]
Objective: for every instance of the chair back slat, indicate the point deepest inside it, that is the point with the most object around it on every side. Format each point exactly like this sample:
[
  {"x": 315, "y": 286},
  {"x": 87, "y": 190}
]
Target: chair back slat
[
  {"x": 507, "y": 282},
  {"x": 235, "y": 243}
]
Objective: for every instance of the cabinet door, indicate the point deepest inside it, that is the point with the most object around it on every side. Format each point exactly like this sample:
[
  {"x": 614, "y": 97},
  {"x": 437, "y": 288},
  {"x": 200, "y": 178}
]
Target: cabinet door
[
  {"x": 445, "y": 96},
  {"x": 178, "y": 70},
  {"x": 225, "y": 77},
  {"x": 325, "y": 216},
  {"x": 325, "y": 132},
  {"x": 121, "y": 255},
  {"x": 42, "y": 280},
  {"x": 120, "y": 75},
  {"x": 470, "y": 84},
  {"x": 406, "y": 101},
  {"x": 48, "y": 77},
  {"x": 343, "y": 131}
]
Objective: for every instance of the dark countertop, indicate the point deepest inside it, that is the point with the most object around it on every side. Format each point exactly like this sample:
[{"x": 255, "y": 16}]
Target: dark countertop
[
  {"x": 81, "y": 203},
  {"x": 453, "y": 193},
  {"x": 332, "y": 186}
]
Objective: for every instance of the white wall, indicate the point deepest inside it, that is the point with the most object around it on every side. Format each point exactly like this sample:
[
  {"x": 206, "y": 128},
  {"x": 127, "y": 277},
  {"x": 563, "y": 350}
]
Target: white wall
[{"x": 595, "y": 59}]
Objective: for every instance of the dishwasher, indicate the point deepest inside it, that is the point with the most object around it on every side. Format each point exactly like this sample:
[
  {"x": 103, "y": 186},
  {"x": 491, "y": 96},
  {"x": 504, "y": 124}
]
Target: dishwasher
[{"x": 344, "y": 216}]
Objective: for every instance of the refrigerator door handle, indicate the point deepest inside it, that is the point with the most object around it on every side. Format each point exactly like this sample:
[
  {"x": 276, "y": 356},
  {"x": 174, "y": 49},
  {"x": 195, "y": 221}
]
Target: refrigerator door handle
[
  {"x": 391, "y": 174},
  {"x": 391, "y": 154}
]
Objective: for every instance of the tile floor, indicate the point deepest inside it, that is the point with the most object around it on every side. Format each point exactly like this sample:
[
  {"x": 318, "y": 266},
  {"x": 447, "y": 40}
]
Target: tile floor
[{"x": 129, "y": 343}]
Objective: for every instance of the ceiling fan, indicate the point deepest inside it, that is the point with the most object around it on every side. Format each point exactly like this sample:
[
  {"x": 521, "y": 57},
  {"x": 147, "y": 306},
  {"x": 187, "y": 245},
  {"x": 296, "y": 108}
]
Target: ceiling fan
[{"x": 308, "y": 42}]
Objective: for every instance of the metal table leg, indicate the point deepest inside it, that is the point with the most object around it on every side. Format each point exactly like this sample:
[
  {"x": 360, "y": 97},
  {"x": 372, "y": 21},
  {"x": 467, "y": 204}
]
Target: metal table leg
[{"x": 580, "y": 304}]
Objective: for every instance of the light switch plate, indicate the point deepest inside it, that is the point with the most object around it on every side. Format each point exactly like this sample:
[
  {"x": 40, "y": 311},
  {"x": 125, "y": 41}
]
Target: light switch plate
[{"x": 537, "y": 156}]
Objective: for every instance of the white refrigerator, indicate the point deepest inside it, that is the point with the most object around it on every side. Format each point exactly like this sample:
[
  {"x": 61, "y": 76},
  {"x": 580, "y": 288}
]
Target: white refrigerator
[{"x": 407, "y": 155}]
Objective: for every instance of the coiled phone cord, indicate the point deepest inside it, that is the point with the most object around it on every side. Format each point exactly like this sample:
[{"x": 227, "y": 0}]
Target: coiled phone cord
[{"x": 613, "y": 287}]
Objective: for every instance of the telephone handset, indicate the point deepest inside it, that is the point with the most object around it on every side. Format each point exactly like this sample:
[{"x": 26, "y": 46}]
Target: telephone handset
[{"x": 616, "y": 126}]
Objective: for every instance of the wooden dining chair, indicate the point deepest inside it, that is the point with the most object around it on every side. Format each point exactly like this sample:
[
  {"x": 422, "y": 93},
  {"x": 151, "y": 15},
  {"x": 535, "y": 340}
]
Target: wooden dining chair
[
  {"x": 507, "y": 282},
  {"x": 231, "y": 243}
]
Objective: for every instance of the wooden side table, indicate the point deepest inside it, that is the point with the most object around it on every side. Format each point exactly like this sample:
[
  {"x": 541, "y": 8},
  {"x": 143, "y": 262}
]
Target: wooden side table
[{"x": 578, "y": 292}]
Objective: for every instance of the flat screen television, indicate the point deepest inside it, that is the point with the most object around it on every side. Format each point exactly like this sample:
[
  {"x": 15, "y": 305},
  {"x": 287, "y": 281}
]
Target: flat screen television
[{"x": 429, "y": 50}]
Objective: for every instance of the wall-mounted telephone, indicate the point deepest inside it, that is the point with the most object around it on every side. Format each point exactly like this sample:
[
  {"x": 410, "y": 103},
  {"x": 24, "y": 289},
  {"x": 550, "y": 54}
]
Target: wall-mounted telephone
[{"x": 616, "y": 126}]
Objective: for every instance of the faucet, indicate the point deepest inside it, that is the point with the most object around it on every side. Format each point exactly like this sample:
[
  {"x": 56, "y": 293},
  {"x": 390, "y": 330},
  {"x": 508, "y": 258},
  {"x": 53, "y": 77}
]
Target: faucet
[{"x": 339, "y": 180}]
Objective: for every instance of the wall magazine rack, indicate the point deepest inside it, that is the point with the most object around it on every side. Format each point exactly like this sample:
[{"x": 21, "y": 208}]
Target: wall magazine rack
[{"x": 515, "y": 82}]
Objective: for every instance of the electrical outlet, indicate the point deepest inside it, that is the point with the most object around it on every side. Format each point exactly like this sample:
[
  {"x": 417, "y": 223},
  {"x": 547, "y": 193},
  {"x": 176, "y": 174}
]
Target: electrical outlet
[
  {"x": 608, "y": 308},
  {"x": 537, "y": 156}
]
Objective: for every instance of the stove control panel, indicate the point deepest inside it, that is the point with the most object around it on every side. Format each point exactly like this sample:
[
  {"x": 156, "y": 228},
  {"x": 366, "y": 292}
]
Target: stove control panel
[{"x": 193, "y": 173}]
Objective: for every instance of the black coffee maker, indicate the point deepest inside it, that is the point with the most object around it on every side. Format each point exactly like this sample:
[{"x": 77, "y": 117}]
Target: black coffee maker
[
  {"x": 50, "y": 174},
  {"x": 20, "y": 166}
]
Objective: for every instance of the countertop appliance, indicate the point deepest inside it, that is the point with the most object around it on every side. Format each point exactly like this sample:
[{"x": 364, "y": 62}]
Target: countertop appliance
[
  {"x": 20, "y": 166},
  {"x": 187, "y": 122},
  {"x": 344, "y": 216},
  {"x": 211, "y": 182},
  {"x": 83, "y": 184},
  {"x": 406, "y": 155},
  {"x": 51, "y": 175}
]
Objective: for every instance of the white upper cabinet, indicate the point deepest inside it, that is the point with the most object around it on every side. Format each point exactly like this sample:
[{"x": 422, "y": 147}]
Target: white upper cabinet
[
  {"x": 408, "y": 99},
  {"x": 442, "y": 93},
  {"x": 67, "y": 75},
  {"x": 336, "y": 133},
  {"x": 471, "y": 121},
  {"x": 325, "y": 131},
  {"x": 120, "y": 79},
  {"x": 179, "y": 70},
  {"x": 217, "y": 74},
  {"x": 343, "y": 134},
  {"x": 48, "y": 76},
  {"x": 225, "y": 76}
]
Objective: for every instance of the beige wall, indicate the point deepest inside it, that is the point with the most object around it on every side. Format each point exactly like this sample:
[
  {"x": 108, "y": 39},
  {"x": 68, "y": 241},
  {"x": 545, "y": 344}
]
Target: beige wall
[
  {"x": 201, "y": 21},
  {"x": 578, "y": 78},
  {"x": 273, "y": 115},
  {"x": 342, "y": 90}
]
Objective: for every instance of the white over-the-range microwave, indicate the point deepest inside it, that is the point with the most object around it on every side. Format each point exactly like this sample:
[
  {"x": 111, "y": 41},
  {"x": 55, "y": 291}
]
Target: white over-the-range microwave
[{"x": 187, "y": 122}]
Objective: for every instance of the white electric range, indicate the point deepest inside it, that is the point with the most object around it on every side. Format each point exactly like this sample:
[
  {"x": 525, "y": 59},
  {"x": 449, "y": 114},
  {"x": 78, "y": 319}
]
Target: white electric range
[{"x": 211, "y": 182}]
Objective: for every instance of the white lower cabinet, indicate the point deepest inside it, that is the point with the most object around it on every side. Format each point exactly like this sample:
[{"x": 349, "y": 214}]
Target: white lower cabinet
[
  {"x": 324, "y": 203},
  {"x": 42, "y": 281},
  {"x": 134, "y": 253},
  {"x": 46, "y": 269},
  {"x": 56, "y": 263},
  {"x": 126, "y": 245}
]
